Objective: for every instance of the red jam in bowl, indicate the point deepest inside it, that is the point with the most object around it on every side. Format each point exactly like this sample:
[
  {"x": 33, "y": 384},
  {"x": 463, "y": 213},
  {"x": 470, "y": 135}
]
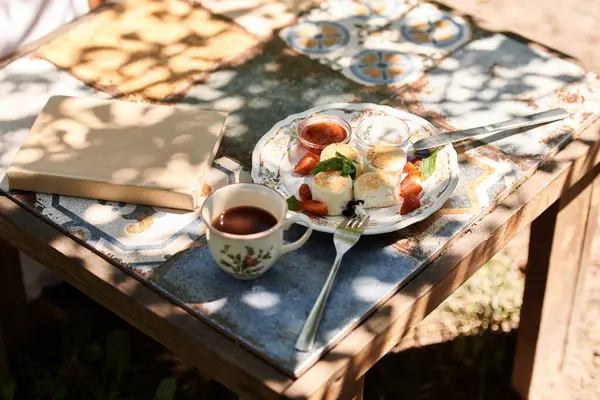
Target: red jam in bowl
[{"x": 318, "y": 132}]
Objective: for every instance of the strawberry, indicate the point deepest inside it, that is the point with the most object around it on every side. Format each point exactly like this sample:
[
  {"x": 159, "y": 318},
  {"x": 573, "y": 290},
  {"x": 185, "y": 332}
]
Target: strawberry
[
  {"x": 410, "y": 186},
  {"x": 304, "y": 192},
  {"x": 411, "y": 202},
  {"x": 411, "y": 170},
  {"x": 416, "y": 174},
  {"x": 314, "y": 207},
  {"x": 410, "y": 167},
  {"x": 306, "y": 164}
]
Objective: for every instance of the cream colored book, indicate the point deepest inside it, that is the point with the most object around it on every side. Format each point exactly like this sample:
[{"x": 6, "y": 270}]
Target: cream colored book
[{"x": 119, "y": 151}]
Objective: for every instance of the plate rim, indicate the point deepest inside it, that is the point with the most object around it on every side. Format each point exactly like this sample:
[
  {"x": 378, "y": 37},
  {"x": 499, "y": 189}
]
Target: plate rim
[{"x": 437, "y": 204}]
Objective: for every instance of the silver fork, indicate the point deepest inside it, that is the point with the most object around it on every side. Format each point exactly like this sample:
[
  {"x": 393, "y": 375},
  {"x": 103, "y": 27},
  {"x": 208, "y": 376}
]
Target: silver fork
[{"x": 346, "y": 235}]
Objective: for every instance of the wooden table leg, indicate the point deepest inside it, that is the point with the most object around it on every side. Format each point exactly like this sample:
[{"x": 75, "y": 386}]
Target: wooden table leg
[
  {"x": 558, "y": 255},
  {"x": 4, "y": 370},
  {"x": 359, "y": 390}
]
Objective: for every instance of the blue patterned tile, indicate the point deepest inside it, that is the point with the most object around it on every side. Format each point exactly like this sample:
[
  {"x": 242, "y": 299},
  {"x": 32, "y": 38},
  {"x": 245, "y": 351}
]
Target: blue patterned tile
[
  {"x": 267, "y": 314},
  {"x": 377, "y": 43}
]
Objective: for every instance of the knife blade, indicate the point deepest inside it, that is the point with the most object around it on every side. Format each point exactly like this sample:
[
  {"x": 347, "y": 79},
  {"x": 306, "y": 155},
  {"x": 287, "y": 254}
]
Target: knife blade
[{"x": 474, "y": 133}]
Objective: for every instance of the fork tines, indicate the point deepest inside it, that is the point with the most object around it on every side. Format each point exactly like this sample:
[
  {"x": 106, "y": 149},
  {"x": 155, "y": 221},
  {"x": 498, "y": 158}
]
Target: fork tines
[{"x": 355, "y": 223}]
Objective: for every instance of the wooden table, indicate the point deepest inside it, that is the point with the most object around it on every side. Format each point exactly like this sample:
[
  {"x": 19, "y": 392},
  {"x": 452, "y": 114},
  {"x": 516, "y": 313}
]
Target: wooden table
[{"x": 560, "y": 202}]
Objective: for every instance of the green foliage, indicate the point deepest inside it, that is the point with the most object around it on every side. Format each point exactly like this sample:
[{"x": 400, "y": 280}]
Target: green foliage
[
  {"x": 428, "y": 164},
  {"x": 293, "y": 203},
  {"x": 118, "y": 353},
  {"x": 166, "y": 390},
  {"x": 92, "y": 353},
  {"x": 337, "y": 163},
  {"x": 79, "y": 370},
  {"x": 8, "y": 389}
]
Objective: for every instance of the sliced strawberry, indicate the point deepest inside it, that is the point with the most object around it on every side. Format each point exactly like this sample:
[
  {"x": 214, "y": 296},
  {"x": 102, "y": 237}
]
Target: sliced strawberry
[
  {"x": 411, "y": 202},
  {"x": 410, "y": 167},
  {"x": 416, "y": 174},
  {"x": 314, "y": 207},
  {"x": 306, "y": 164},
  {"x": 411, "y": 170},
  {"x": 410, "y": 186},
  {"x": 304, "y": 192}
]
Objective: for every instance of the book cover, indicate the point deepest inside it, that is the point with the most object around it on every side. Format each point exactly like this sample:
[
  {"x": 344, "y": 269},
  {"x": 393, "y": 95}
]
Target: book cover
[{"x": 119, "y": 151}]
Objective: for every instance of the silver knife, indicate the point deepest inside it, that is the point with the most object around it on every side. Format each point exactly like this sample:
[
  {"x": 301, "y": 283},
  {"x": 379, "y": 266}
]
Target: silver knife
[{"x": 473, "y": 133}]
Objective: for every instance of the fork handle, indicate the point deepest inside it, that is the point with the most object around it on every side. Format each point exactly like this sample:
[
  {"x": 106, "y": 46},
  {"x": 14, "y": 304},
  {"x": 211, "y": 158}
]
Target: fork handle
[{"x": 309, "y": 330}]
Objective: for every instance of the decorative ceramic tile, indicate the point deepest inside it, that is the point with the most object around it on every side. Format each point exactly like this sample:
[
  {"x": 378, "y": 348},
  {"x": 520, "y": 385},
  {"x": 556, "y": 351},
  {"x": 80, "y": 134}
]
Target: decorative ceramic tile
[
  {"x": 487, "y": 72},
  {"x": 265, "y": 90},
  {"x": 259, "y": 17},
  {"x": 432, "y": 30},
  {"x": 370, "y": 13},
  {"x": 138, "y": 236},
  {"x": 267, "y": 314},
  {"x": 498, "y": 78},
  {"x": 149, "y": 49},
  {"x": 377, "y": 44}
]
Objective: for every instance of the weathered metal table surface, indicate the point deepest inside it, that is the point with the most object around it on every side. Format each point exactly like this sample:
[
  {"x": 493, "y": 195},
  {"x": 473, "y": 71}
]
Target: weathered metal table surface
[{"x": 431, "y": 62}]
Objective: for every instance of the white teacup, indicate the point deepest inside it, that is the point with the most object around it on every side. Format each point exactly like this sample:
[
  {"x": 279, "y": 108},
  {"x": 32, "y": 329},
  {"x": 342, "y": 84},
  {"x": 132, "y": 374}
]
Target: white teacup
[{"x": 250, "y": 256}]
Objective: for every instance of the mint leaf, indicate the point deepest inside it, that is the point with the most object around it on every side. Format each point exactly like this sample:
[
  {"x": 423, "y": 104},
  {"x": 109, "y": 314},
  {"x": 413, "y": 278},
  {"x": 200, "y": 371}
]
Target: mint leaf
[
  {"x": 344, "y": 158},
  {"x": 293, "y": 203},
  {"x": 331, "y": 164},
  {"x": 427, "y": 165},
  {"x": 337, "y": 163}
]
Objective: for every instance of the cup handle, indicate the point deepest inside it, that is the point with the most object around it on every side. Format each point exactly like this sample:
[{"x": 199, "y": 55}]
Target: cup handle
[{"x": 294, "y": 219}]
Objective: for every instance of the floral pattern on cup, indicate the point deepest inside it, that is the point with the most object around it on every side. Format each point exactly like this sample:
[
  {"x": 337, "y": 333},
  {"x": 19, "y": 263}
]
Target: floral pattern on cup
[
  {"x": 247, "y": 264},
  {"x": 382, "y": 67},
  {"x": 318, "y": 37},
  {"x": 249, "y": 256}
]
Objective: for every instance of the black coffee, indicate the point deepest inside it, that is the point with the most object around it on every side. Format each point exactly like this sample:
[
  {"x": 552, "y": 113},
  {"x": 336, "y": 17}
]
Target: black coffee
[{"x": 244, "y": 220}]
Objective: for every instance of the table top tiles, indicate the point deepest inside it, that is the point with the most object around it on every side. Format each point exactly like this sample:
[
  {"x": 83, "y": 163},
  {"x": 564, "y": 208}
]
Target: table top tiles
[
  {"x": 388, "y": 45},
  {"x": 268, "y": 88},
  {"x": 148, "y": 49},
  {"x": 497, "y": 78},
  {"x": 259, "y": 17}
]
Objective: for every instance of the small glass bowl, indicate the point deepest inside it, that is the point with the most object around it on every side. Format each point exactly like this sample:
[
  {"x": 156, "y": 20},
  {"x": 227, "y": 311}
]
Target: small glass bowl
[
  {"x": 383, "y": 130},
  {"x": 316, "y": 148}
]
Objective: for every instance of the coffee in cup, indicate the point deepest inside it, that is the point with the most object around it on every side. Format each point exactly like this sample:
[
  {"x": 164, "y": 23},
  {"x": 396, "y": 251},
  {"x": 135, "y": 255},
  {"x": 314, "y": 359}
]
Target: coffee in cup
[{"x": 244, "y": 228}]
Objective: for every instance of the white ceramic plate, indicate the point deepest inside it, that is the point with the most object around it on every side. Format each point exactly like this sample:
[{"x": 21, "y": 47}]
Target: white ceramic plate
[{"x": 278, "y": 150}]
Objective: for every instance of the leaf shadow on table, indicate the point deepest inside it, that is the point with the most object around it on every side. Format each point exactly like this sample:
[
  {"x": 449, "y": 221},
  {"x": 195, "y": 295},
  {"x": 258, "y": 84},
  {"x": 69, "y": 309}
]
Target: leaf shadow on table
[{"x": 148, "y": 50}]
